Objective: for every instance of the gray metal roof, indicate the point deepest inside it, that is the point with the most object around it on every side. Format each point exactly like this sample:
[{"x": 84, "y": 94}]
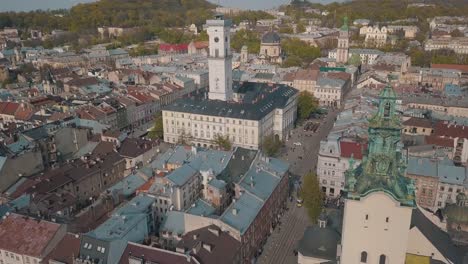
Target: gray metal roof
[
  {"x": 259, "y": 100},
  {"x": 271, "y": 38}
]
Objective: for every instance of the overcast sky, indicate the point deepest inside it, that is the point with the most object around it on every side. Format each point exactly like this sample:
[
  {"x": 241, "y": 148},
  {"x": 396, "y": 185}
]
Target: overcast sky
[{"x": 26, "y": 5}]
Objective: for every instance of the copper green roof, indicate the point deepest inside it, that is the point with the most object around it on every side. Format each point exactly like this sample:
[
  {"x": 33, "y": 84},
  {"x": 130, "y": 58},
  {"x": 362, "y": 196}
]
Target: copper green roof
[
  {"x": 345, "y": 26},
  {"x": 382, "y": 168}
]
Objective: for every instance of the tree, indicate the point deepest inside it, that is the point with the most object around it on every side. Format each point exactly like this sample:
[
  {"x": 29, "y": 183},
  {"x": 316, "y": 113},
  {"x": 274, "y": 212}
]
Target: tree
[
  {"x": 223, "y": 142},
  {"x": 355, "y": 60},
  {"x": 300, "y": 50},
  {"x": 271, "y": 145},
  {"x": 456, "y": 33},
  {"x": 246, "y": 37},
  {"x": 157, "y": 131},
  {"x": 312, "y": 196},
  {"x": 306, "y": 105},
  {"x": 292, "y": 61}
]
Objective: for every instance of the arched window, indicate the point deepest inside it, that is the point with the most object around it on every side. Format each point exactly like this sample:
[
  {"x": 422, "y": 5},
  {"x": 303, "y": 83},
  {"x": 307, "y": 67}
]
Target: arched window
[
  {"x": 382, "y": 259},
  {"x": 364, "y": 257},
  {"x": 387, "y": 110}
]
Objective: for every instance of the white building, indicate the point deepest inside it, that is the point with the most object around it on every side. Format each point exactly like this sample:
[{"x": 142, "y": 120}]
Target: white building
[
  {"x": 243, "y": 112},
  {"x": 368, "y": 56},
  {"x": 334, "y": 160},
  {"x": 375, "y": 36},
  {"x": 458, "y": 45}
]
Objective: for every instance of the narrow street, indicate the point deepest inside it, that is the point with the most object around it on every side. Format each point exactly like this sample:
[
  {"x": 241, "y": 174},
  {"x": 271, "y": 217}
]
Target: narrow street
[{"x": 283, "y": 241}]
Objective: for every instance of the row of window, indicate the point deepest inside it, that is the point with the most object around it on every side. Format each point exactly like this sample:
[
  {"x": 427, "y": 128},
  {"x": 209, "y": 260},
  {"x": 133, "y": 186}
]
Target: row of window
[
  {"x": 382, "y": 258},
  {"x": 213, "y": 119}
]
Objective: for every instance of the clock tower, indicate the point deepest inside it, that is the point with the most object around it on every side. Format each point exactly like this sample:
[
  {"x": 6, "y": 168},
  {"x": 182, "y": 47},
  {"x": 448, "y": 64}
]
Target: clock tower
[
  {"x": 220, "y": 59},
  {"x": 379, "y": 199}
]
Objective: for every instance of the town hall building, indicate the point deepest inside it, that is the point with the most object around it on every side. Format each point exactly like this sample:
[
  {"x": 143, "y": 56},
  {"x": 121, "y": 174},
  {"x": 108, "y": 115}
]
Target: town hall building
[{"x": 244, "y": 112}]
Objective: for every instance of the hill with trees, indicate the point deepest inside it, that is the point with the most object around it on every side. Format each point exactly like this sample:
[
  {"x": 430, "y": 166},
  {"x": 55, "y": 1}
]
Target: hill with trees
[{"x": 123, "y": 13}]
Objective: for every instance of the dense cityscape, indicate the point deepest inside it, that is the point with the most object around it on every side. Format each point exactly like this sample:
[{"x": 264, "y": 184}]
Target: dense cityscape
[{"x": 177, "y": 132}]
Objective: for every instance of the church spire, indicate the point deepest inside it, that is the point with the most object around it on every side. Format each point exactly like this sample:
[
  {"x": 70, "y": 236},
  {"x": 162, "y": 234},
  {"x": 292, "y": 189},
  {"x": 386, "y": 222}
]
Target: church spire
[{"x": 382, "y": 169}]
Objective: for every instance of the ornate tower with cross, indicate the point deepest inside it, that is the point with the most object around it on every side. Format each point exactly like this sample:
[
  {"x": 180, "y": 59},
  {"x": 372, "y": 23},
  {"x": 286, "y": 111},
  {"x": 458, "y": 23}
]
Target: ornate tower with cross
[
  {"x": 220, "y": 59},
  {"x": 379, "y": 199}
]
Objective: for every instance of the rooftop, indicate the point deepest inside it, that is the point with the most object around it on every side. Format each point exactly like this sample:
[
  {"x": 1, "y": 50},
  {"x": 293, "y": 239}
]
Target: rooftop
[
  {"x": 241, "y": 213},
  {"x": 31, "y": 236},
  {"x": 259, "y": 100}
]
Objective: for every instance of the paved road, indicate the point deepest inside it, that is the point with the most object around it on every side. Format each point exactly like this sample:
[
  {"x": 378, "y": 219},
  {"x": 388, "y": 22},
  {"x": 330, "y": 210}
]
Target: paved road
[{"x": 280, "y": 245}]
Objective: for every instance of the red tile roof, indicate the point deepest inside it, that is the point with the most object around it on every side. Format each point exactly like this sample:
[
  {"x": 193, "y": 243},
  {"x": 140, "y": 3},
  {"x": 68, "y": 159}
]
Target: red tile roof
[
  {"x": 173, "y": 47},
  {"x": 8, "y": 108},
  {"x": 418, "y": 122},
  {"x": 440, "y": 141},
  {"x": 445, "y": 129},
  {"x": 26, "y": 236},
  {"x": 462, "y": 68},
  {"x": 24, "y": 113},
  {"x": 201, "y": 44},
  {"x": 350, "y": 148}
]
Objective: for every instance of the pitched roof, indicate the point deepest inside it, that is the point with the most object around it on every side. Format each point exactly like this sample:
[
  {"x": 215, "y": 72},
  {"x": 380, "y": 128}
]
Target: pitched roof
[
  {"x": 440, "y": 141},
  {"x": 64, "y": 252},
  {"x": 223, "y": 246},
  {"x": 354, "y": 149},
  {"x": 319, "y": 242},
  {"x": 418, "y": 122},
  {"x": 134, "y": 147},
  {"x": 25, "y": 235},
  {"x": 173, "y": 47},
  {"x": 445, "y": 129},
  {"x": 462, "y": 68},
  {"x": 154, "y": 255},
  {"x": 307, "y": 74},
  {"x": 8, "y": 108},
  {"x": 437, "y": 237}
]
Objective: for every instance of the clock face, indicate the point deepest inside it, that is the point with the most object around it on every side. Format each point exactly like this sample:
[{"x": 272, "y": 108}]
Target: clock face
[
  {"x": 216, "y": 39},
  {"x": 382, "y": 165}
]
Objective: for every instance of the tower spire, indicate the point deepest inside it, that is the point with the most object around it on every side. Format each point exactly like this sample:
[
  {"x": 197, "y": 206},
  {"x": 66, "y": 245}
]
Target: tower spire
[{"x": 382, "y": 168}]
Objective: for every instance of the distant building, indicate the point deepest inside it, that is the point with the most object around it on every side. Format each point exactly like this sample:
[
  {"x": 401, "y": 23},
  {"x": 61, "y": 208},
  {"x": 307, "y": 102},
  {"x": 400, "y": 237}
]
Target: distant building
[
  {"x": 458, "y": 45},
  {"x": 270, "y": 48},
  {"x": 375, "y": 36},
  {"x": 165, "y": 49},
  {"x": 114, "y": 32},
  {"x": 368, "y": 56}
]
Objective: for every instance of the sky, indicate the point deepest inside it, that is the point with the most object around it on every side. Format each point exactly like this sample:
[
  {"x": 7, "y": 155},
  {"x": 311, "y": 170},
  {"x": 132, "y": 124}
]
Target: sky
[{"x": 27, "y": 5}]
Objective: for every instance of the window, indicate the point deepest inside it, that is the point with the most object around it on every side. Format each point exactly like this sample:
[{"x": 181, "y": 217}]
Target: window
[
  {"x": 382, "y": 259},
  {"x": 363, "y": 257},
  {"x": 387, "y": 110},
  {"x": 387, "y": 219},
  {"x": 367, "y": 217}
]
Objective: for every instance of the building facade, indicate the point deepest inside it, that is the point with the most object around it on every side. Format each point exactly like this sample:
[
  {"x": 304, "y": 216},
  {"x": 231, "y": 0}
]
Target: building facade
[{"x": 342, "y": 53}]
